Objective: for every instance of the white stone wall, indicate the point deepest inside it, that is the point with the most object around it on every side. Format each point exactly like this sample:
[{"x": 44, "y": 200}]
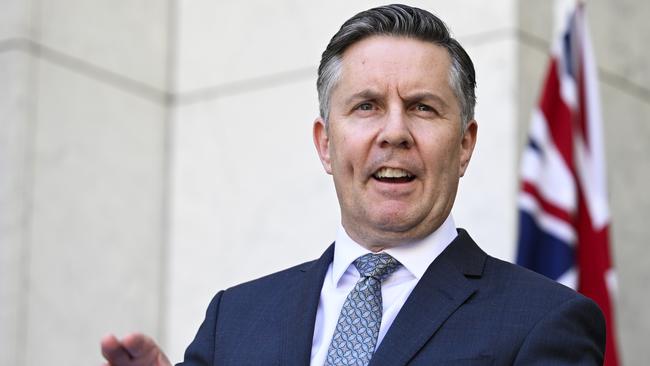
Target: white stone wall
[
  {"x": 84, "y": 127},
  {"x": 15, "y": 128},
  {"x": 155, "y": 152}
]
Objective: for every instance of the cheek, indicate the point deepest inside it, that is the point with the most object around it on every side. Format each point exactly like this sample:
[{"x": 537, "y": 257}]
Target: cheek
[
  {"x": 442, "y": 158},
  {"x": 342, "y": 158},
  {"x": 352, "y": 149}
]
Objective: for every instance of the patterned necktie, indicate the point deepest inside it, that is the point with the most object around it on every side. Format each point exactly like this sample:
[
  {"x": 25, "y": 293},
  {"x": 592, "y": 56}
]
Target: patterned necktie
[{"x": 356, "y": 331}]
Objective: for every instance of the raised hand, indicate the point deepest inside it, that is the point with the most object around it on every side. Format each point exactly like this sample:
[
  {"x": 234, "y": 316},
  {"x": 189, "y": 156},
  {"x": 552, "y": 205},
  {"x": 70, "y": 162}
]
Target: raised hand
[{"x": 135, "y": 349}]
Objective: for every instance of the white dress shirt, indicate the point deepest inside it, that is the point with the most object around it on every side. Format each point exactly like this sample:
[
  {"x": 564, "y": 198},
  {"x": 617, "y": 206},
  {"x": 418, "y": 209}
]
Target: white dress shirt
[{"x": 342, "y": 276}]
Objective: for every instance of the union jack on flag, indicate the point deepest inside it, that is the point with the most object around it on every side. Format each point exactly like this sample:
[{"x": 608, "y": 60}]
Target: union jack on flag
[{"x": 563, "y": 211}]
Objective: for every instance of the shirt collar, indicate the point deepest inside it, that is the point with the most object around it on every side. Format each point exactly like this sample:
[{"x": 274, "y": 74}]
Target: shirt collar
[{"x": 415, "y": 256}]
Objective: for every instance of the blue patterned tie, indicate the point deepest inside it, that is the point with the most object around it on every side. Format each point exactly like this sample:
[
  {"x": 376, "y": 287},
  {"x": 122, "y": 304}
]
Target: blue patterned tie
[{"x": 356, "y": 331}]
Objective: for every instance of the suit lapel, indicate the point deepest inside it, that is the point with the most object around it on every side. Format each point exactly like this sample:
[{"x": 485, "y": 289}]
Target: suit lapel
[
  {"x": 300, "y": 311},
  {"x": 440, "y": 292}
]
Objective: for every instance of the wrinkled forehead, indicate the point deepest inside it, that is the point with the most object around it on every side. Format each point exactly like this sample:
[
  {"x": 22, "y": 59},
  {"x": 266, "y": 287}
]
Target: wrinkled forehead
[
  {"x": 404, "y": 64},
  {"x": 396, "y": 54}
]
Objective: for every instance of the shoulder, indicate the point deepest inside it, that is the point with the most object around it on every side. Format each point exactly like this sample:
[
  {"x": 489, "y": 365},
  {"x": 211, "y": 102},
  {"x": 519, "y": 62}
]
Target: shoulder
[
  {"x": 502, "y": 280},
  {"x": 528, "y": 292},
  {"x": 560, "y": 323},
  {"x": 557, "y": 317},
  {"x": 253, "y": 310},
  {"x": 514, "y": 278},
  {"x": 540, "y": 321},
  {"x": 276, "y": 285},
  {"x": 271, "y": 281},
  {"x": 255, "y": 293}
]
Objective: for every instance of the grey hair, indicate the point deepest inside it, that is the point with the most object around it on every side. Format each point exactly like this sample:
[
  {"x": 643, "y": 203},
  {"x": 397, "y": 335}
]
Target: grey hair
[{"x": 399, "y": 21}]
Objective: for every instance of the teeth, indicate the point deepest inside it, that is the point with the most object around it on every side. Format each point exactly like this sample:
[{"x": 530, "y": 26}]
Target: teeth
[{"x": 392, "y": 173}]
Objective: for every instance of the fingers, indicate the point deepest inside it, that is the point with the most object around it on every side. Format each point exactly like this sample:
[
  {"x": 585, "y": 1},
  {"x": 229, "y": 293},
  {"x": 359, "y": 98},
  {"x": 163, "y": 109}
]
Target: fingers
[
  {"x": 139, "y": 345},
  {"x": 134, "y": 349},
  {"x": 113, "y": 351}
]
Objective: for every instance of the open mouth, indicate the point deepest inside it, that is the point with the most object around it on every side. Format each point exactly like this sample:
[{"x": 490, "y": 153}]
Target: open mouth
[{"x": 393, "y": 175}]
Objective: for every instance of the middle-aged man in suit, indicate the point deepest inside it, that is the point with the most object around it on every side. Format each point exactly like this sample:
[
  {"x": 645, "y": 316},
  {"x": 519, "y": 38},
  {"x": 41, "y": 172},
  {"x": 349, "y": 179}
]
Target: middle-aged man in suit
[{"x": 401, "y": 285}]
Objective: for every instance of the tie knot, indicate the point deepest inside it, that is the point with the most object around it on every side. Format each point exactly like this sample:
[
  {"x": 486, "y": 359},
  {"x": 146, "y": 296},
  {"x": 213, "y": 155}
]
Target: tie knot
[{"x": 378, "y": 266}]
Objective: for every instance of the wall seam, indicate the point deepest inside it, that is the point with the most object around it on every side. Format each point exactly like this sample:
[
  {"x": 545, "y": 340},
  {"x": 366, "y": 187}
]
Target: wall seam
[
  {"x": 14, "y": 44},
  {"x": 79, "y": 66},
  {"x": 169, "y": 97},
  {"x": 30, "y": 183},
  {"x": 245, "y": 86},
  {"x": 167, "y": 174}
]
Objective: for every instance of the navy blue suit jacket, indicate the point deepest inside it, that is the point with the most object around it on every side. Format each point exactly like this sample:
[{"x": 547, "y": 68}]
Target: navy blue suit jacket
[{"x": 468, "y": 309}]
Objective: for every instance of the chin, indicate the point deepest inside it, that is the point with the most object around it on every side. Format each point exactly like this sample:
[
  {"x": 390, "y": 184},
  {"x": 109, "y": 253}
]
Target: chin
[{"x": 395, "y": 222}]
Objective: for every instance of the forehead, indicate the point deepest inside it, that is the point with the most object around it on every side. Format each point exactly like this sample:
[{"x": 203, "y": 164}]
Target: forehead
[{"x": 396, "y": 62}]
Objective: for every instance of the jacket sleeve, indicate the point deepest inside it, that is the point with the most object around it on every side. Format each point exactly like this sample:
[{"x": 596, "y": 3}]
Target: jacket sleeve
[
  {"x": 571, "y": 334},
  {"x": 201, "y": 351}
]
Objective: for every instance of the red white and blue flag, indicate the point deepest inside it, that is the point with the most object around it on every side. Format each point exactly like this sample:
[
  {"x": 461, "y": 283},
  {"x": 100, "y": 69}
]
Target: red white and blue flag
[{"x": 564, "y": 215}]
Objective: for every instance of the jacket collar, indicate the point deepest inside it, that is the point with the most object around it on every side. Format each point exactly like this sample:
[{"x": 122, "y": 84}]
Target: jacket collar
[
  {"x": 443, "y": 289},
  {"x": 298, "y": 329}
]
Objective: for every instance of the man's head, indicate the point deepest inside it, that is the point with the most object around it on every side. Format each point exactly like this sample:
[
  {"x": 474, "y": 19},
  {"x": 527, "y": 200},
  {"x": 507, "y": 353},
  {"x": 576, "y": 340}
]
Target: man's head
[
  {"x": 390, "y": 131},
  {"x": 398, "y": 21}
]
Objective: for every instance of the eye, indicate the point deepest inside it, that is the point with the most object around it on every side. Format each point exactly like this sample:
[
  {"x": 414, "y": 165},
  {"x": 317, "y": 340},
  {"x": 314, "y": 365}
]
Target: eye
[
  {"x": 423, "y": 108},
  {"x": 366, "y": 106}
]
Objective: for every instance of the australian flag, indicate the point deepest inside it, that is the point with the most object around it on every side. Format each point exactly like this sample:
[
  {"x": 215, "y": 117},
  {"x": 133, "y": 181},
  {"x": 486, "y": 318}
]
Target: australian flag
[{"x": 563, "y": 211}]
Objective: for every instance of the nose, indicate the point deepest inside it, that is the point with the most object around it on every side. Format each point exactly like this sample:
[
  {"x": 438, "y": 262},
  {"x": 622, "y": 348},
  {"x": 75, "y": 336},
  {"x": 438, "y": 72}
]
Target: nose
[{"x": 395, "y": 131}]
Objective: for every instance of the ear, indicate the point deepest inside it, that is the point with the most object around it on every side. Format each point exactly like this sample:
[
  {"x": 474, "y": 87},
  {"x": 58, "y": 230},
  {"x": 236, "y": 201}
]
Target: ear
[
  {"x": 322, "y": 143},
  {"x": 467, "y": 143}
]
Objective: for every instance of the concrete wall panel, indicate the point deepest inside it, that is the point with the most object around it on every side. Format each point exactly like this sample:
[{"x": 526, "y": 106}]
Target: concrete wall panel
[
  {"x": 15, "y": 140},
  {"x": 127, "y": 38},
  {"x": 96, "y": 231},
  {"x": 620, "y": 32},
  {"x": 249, "y": 196},
  {"x": 485, "y": 203},
  {"x": 225, "y": 42},
  {"x": 626, "y": 132},
  {"x": 14, "y": 18}
]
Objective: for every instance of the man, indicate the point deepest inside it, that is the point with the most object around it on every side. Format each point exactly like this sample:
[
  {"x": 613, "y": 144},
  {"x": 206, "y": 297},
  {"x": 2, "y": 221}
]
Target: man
[{"x": 400, "y": 285}]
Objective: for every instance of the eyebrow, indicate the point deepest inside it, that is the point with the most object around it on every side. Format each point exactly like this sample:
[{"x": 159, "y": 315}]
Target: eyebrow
[
  {"x": 425, "y": 96},
  {"x": 368, "y": 94}
]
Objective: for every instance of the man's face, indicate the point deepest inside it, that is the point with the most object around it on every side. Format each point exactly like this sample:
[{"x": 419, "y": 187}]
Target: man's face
[{"x": 394, "y": 144}]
